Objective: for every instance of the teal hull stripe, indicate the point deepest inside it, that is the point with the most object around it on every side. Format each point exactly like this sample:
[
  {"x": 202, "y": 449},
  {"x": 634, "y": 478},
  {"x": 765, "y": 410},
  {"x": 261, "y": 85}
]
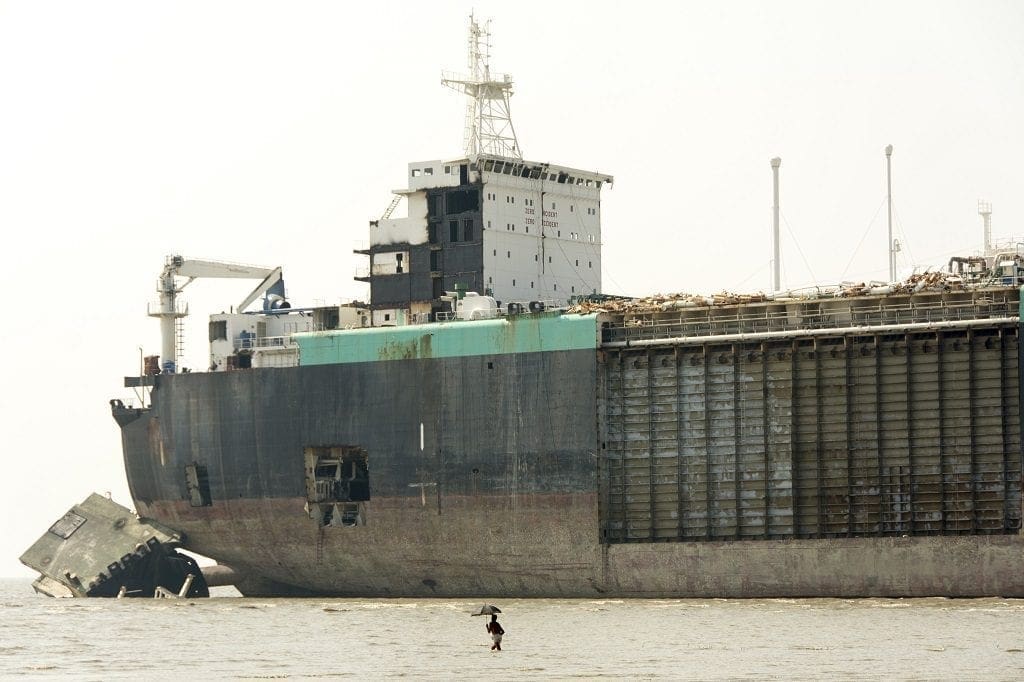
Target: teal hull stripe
[{"x": 522, "y": 334}]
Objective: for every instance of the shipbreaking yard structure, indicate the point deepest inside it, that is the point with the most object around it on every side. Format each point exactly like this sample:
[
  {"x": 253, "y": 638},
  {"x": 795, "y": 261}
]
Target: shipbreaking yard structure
[{"x": 861, "y": 440}]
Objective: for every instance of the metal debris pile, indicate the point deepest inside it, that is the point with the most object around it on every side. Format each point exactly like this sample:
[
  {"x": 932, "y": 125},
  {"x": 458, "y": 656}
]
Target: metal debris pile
[{"x": 925, "y": 281}]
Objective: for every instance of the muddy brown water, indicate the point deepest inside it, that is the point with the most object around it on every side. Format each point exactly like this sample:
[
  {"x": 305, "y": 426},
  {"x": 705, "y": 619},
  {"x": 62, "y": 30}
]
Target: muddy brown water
[{"x": 236, "y": 638}]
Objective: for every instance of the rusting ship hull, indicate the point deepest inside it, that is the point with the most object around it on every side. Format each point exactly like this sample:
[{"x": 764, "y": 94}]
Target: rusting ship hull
[{"x": 863, "y": 447}]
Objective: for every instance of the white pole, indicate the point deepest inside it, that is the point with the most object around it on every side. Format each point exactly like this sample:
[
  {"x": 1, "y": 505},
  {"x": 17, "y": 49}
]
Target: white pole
[
  {"x": 776, "y": 270},
  {"x": 888, "y": 182}
]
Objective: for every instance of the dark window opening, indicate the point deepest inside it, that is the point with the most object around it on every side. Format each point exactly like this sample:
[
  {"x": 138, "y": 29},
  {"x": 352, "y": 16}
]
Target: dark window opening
[
  {"x": 462, "y": 200},
  {"x": 433, "y": 205},
  {"x": 337, "y": 482},
  {"x": 197, "y": 483},
  {"x": 432, "y": 233},
  {"x": 398, "y": 263},
  {"x": 435, "y": 260},
  {"x": 463, "y": 174},
  {"x": 219, "y": 330},
  {"x": 467, "y": 230},
  {"x": 453, "y": 230},
  {"x": 438, "y": 287}
]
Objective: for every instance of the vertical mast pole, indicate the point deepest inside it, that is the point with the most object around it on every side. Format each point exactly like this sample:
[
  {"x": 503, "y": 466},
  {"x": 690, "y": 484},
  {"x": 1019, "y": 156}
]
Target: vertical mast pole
[
  {"x": 776, "y": 269},
  {"x": 888, "y": 183}
]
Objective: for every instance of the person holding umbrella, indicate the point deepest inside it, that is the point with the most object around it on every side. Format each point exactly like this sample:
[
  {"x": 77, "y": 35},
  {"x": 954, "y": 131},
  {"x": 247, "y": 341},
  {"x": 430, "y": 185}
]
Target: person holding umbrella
[{"x": 494, "y": 627}]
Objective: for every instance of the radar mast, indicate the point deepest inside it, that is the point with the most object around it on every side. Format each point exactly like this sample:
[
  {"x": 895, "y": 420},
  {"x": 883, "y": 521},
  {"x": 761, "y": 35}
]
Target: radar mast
[{"x": 488, "y": 119}]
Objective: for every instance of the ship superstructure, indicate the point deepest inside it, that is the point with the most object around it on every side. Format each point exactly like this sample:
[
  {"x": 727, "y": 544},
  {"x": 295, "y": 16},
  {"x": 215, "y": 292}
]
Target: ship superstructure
[{"x": 487, "y": 222}]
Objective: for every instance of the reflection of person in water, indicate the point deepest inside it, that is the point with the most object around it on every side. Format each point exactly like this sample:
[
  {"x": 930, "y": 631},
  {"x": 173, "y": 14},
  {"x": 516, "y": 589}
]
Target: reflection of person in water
[{"x": 494, "y": 627}]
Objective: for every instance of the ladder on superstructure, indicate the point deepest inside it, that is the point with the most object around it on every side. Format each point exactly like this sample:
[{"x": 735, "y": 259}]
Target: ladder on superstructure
[{"x": 179, "y": 340}]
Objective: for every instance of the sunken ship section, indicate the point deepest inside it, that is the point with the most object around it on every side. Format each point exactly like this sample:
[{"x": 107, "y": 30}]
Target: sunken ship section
[{"x": 465, "y": 432}]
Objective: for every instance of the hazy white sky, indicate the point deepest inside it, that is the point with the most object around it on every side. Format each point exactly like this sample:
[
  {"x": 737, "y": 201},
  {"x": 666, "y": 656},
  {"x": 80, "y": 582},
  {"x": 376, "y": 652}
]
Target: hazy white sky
[{"x": 270, "y": 133}]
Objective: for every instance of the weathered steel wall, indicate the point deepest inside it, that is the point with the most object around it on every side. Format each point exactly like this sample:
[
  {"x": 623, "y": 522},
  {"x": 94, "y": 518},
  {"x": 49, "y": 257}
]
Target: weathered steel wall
[
  {"x": 500, "y": 498},
  {"x": 897, "y": 434}
]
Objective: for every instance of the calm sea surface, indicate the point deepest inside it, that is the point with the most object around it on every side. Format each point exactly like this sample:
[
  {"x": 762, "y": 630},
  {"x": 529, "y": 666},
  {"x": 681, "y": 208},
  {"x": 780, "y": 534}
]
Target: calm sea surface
[{"x": 235, "y": 638}]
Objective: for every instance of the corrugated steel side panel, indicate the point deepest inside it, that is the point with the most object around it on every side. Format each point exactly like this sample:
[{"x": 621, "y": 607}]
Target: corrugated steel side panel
[{"x": 873, "y": 434}]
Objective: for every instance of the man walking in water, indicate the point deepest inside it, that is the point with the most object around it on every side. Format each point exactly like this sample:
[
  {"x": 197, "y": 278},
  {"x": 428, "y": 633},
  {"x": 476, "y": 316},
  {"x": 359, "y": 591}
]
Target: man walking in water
[{"x": 494, "y": 627}]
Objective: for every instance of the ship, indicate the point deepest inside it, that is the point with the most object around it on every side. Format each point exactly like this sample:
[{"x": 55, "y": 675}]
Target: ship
[{"x": 490, "y": 423}]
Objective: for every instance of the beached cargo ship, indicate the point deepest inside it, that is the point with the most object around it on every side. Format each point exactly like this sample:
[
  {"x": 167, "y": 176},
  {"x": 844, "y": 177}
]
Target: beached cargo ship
[{"x": 462, "y": 434}]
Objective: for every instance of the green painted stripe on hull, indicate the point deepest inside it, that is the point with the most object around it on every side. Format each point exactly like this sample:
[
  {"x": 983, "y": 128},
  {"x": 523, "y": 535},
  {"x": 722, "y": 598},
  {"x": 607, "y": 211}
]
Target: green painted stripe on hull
[{"x": 522, "y": 334}]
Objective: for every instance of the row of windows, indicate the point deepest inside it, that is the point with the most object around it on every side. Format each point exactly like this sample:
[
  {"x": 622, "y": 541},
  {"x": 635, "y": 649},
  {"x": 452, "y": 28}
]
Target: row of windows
[
  {"x": 448, "y": 170},
  {"x": 511, "y": 227},
  {"x": 522, "y": 170},
  {"x": 536, "y": 257},
  {"x": 509, "y": 199},
  {"x": 490, "y": 280}
]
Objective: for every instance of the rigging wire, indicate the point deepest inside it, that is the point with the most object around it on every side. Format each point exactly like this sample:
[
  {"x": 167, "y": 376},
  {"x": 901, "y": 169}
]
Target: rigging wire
[
  {"x": 906, "y": 241},
  {"x": 754, "y": 273},
  {"x": 797, "y": 244},
  {"x": 864, "y": 236}
]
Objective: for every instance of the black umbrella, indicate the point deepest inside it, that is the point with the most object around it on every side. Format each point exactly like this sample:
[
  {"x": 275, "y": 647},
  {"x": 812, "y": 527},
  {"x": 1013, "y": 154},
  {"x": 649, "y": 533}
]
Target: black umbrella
[{"x": 487, "y": 610}]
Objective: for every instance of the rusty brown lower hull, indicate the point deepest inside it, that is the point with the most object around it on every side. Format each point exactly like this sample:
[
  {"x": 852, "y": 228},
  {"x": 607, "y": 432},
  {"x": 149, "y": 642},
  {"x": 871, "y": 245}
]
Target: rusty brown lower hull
[{"x": 545, "y": 546}]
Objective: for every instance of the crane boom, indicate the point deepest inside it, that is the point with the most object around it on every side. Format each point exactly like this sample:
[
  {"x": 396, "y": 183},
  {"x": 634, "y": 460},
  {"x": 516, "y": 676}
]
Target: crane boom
[{"x": 272, "y": 285}]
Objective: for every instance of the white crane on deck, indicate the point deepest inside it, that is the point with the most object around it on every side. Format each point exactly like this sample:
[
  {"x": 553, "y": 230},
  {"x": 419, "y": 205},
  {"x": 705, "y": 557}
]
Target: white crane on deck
[{"x": 169, "y": 313}]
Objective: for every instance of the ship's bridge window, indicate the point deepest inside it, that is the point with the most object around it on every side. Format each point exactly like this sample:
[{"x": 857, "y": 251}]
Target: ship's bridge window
[
  {"x": 428, "y": 171},
  {"x": 415, "y": 172}
]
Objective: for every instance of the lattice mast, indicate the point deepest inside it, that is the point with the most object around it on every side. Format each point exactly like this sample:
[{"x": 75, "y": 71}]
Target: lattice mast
[{"x": 488, "y": 119}]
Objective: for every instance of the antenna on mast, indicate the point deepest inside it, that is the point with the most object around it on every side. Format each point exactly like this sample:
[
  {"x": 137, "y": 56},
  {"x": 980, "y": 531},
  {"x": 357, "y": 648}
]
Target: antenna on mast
[{"x": 488, "y": 119}]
